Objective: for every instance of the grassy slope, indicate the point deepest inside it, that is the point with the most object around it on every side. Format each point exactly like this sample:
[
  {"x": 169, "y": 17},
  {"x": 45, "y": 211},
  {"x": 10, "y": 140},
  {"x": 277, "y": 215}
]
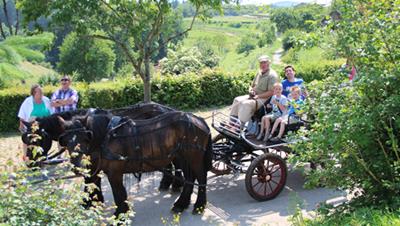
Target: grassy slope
[
  {"x": 230, "y": 60},
  {"x": 24, "y": 71}
]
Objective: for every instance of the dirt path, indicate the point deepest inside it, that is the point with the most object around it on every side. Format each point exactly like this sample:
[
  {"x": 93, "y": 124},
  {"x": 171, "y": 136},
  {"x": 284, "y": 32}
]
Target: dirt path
[{"x": 276, "y": 58}]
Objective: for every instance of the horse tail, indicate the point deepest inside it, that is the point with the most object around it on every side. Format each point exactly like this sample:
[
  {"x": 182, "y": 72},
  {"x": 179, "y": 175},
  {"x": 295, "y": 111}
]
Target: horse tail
[{"x": 208, "y": 154}]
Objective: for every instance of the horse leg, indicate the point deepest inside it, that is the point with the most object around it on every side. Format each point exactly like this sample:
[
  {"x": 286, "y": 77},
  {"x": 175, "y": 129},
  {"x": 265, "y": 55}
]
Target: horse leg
[
  {"x": 119, "y": 192},
  {"x": 166, "y": 178},
  {"x": 183, "y": 201},
  {"x": 178, "y": 180},
  {"x": 201, "y": 202},
  {"x": 95, "y": 195}
]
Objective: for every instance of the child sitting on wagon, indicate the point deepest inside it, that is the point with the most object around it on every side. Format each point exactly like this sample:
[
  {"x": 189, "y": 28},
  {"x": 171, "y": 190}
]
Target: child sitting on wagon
[
  {"x": 296, "y": 106},
  {"x": 279, "y": 108}
]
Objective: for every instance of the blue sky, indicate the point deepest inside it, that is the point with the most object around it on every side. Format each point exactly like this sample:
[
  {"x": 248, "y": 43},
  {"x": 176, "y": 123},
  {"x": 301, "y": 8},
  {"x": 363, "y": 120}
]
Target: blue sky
[{"x": 259, "y": 2}]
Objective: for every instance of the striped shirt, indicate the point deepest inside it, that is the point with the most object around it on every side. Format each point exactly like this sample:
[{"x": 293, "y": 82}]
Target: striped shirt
[{"x": 63, "y": 95}]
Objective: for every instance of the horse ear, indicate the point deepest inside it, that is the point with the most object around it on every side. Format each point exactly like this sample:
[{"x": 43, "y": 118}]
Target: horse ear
[
  {"x": 61, "y": 120},
  {"x": 89, "y": 134}
]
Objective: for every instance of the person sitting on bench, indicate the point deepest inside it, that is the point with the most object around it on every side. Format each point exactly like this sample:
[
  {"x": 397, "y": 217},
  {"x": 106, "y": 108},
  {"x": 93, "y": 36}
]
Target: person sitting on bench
[
  {"x": 296, "y": 106},
  {"x": 279, "y": 108}
]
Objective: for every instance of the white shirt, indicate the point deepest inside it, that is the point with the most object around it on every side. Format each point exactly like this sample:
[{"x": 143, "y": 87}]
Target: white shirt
[{"x": 27, "y": 107}]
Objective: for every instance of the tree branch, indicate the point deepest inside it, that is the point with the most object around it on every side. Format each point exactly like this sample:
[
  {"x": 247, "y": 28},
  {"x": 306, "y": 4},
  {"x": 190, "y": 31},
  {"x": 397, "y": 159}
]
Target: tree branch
[
  {"x": 179, "y": 34},
  {"x": 6, "y": 15},
  {"x": 135, "y": 63},
  {"x": 112, "y": 9}
]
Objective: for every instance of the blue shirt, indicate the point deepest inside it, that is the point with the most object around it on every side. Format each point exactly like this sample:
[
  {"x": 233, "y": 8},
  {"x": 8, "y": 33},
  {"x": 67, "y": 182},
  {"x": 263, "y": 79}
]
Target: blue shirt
[{"x": 287, "y": 85}]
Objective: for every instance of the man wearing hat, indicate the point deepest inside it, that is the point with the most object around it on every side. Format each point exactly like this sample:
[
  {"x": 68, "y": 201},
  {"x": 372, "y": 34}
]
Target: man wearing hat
[
  {"x": 261, "y": 89},
  {"x": 66, "y": 98}
]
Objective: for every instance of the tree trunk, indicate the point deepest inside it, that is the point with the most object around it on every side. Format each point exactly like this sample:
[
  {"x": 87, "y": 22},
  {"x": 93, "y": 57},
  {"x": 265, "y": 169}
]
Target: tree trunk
[
  {"x": 6, "y": 16},
  {"x": 147, "y": 81},
  {"x": 17, "y": 24},
  {"x": 2, "y": 31}
]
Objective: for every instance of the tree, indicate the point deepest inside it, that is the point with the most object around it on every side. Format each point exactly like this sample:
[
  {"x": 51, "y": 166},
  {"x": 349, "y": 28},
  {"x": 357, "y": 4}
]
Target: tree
[
  {"x": 91, "y": 59},
  {"x": 133, "y": 25},
  {"x": 10, "y": 17},
  {"x": 356, "y": 134}
]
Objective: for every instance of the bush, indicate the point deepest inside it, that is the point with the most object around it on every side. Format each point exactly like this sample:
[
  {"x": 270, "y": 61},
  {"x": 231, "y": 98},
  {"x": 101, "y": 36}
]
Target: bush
[
  {"x": 48, "y": 203},
  {"x": 49, "y": 79},
  {"x": 356, "y": 134},
  {"x": 290, "y": 37},
  {"x": 203, "y": 88},
  {"x": 92, "y": 59},
  {"x": 189, "y": 60},
  {"x": 316, "y": 71},
  {"x": 247, "y": 44},
  {"x": 268, "y": 33}
]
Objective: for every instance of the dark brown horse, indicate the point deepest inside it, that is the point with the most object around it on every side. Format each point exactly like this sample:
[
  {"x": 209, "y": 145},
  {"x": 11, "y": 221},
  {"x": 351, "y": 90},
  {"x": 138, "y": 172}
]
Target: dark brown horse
[
  {"x": 143, "y": 146},
  {"x": 50, "y": 128}
]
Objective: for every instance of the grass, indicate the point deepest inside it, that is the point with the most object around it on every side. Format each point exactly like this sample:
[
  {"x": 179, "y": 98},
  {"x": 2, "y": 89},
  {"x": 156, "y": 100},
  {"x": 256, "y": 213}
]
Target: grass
[
  {"x": 224, "y": 39},
  {"x": 361, "y": 216}
]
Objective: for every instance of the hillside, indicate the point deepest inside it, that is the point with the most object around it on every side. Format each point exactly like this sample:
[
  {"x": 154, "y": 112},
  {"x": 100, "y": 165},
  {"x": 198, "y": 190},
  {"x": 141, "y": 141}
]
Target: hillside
[{"x": 224, "y": 35}]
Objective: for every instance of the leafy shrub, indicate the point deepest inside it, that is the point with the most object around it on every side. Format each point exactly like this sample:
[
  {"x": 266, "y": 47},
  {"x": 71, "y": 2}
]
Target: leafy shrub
[
  {"x": 356, "y": 134},
  {"x": 188, "y": 60},
  {"x": 316, "y": 70},
  {"x": 359, "y": 216},
  {"x": 235, "y": 25},
  {"x": 247, "y": 44},
  {"x": 22, "y": 202},
  {"x": 92, "y": 59},
  {"x": 290, "y": 38},
  {"x": 49, "y": 79},
  {"x": 202, "y": 88},
  {"x": 268, "y": 33}
]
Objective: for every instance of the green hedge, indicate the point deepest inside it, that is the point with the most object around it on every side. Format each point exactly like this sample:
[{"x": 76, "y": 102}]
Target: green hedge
[{"x": 181, "y": 92}]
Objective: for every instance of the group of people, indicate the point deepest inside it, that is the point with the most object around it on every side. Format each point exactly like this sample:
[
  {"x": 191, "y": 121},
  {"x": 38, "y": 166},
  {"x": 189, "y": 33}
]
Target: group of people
[
  {"x": 38, "y": 105},
  {"x": 286, "y": 99}
]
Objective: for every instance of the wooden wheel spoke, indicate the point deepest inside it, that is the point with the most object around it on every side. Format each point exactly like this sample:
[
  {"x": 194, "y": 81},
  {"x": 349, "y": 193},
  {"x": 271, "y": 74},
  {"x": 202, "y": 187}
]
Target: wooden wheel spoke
[
  {"x": 275, "y": 170},
  {"x": 269, "y": 184}
]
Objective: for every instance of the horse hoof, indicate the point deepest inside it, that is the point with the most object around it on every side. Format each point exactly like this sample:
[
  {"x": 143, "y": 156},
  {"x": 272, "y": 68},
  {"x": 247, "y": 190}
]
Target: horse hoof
[
  {"x": 176, "y": 209},
  {"x": 198, "y": 210}
]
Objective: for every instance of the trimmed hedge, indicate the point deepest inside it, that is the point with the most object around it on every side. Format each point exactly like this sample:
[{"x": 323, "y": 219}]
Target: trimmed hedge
[{"x": 182, "y": 92}]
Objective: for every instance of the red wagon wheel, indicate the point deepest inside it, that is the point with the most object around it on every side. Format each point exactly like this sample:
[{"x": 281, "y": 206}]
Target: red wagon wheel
[{"x": 266, "y": 177}]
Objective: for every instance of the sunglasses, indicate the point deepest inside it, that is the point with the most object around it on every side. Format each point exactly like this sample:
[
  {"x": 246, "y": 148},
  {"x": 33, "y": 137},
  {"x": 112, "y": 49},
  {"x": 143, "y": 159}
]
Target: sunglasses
[{"x": 64, "y": 80}]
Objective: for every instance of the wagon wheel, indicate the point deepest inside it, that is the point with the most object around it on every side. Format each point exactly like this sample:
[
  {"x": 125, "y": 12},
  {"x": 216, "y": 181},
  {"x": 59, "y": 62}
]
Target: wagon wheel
[
  {"x": 266, "y": 177},
  {"x": 219, "y": 167}
]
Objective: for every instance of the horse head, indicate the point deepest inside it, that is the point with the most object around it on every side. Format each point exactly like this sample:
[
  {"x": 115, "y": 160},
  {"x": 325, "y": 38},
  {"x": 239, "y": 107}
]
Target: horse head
[
  {"x": 36, "y": 136},
  {"x": 76, "y": 139}
]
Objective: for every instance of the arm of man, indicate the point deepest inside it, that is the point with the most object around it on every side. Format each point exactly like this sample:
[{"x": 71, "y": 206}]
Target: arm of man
[{"x": 54, "y": 101}]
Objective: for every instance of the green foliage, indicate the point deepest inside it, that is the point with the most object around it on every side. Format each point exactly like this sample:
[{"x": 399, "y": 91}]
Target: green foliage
[
  {"x": 189, "y": 60},
  {"x": 247, "y": 44},
  {"x": 268, "y": 33},
  {"x": 16, "y": 49},
  {"x": 290, "y": 38},
  {"x": 49, "y": 79},
  {"x": 313, "y": 63},
  {"x": 356, "y": 134},
  {"x": 48, "y": 203},
  {"x": 360, "y": 216},
  {"x": 133, "y": 25},
  {"x": 304, "y": 17},
  {"x": 92, "y": 59},
  {"x": 201, "y": 88}
]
